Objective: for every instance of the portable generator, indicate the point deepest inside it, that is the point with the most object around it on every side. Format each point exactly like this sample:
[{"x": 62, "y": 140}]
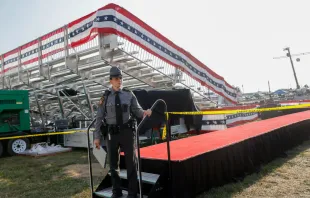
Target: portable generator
[{"x": 14, "y": 120}]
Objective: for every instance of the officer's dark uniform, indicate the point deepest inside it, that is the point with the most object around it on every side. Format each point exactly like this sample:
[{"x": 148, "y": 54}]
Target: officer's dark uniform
[{"x": 119, "y": 133}]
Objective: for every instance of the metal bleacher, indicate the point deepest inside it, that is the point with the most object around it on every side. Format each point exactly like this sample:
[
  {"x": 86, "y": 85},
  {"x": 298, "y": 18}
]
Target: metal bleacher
[{"x": 57, "y": 69}]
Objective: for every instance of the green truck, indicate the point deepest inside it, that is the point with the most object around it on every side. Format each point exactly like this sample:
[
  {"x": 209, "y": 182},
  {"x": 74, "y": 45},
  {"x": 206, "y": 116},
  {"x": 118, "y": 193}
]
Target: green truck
[{"x": 14, "y": 121}]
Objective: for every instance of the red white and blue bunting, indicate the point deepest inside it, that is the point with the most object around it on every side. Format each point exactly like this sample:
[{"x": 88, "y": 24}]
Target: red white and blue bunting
[{"x": 113, "y": 19}]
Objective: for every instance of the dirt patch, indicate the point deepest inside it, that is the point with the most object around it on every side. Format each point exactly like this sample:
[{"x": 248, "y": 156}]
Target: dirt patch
[
  {"x": 82, "y": 170},
  {"x": 5, "y": 182}
]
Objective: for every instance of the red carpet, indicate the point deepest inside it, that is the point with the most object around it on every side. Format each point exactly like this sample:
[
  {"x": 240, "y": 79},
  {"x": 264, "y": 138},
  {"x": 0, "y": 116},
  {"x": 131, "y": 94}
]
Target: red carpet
[{"x": 189, "y": 147}]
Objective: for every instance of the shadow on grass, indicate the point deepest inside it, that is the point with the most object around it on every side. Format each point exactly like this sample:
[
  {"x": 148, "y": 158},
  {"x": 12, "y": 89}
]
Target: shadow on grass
[{"x": 229, "y": 190}]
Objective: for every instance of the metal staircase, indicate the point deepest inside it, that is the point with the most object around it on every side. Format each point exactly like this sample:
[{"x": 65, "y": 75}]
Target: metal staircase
[{"x": 149, "y": 182}]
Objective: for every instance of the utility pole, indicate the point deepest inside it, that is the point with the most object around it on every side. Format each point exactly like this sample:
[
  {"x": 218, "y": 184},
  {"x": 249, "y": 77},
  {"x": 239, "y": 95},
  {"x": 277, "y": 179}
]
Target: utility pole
[
  {"x": 289, "y": 55},
  {"x": 269, "y": 90}
]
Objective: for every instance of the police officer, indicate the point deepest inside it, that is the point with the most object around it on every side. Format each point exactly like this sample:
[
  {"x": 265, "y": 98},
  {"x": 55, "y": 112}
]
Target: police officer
[{"x": 114, "y": 123}]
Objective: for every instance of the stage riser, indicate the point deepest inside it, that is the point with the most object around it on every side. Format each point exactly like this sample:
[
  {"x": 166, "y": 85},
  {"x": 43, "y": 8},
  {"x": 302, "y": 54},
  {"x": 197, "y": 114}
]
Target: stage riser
[
  {"x": 228, "y": 164},
  {"x": 213, "y": 169}
]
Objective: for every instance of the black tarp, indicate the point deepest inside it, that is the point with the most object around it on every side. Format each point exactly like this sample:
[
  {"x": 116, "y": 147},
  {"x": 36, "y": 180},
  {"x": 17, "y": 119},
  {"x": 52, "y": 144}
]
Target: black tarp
[{"x": 178, "y": 100}]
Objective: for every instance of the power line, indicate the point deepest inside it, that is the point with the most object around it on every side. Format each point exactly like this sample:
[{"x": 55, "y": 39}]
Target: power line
[{"x": 300, "y": 54}]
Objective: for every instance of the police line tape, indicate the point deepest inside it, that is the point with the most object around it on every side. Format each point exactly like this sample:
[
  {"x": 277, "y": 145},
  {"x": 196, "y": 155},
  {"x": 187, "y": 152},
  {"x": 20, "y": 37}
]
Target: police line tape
[
  {"x": 301, "y": 106},
  {"x": 221, "y": 112},
  {"x": 42, "y": 134},
  {"x": 256, "y": 110}
]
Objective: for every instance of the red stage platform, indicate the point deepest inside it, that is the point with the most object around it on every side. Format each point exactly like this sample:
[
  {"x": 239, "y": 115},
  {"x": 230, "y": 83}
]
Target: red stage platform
[
  {"x": 193, "y": 146},
  {"x": 213, "y": 159}
]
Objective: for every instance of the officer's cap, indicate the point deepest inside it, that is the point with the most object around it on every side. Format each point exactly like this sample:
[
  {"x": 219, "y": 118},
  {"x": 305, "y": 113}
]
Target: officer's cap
[{"x": 115, "y": 72}]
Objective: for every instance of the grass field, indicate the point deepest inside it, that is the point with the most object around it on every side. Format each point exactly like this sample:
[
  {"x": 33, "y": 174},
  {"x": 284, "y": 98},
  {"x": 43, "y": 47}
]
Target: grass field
[{"x": 66, "y": 175}]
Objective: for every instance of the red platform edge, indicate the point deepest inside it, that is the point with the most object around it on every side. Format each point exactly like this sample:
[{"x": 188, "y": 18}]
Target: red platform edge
[{"x": 193, "y": 146}]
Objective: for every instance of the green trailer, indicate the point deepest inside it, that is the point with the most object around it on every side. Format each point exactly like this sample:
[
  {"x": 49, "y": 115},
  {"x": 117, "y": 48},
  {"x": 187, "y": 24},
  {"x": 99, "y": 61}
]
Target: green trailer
[{"x": 14, "y": 120}]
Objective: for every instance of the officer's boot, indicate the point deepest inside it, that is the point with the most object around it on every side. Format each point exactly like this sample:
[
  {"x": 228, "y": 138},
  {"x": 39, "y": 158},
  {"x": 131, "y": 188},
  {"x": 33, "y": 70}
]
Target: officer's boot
[{"x": 116, "y": 183}]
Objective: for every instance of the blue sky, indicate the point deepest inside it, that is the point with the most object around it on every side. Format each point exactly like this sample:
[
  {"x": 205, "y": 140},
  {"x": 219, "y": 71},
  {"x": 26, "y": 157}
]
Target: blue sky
[{"x": 237, "y": 39}]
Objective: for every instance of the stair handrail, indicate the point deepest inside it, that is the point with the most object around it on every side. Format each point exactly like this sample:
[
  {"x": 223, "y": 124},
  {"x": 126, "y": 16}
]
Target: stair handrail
[
  {"x": 144, "y": 119},
  {"x": 89, "y": 160}
]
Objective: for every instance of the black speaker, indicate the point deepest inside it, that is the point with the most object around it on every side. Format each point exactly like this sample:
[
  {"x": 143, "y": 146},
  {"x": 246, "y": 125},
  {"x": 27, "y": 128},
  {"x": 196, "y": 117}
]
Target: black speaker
[{"x": 61, "y": 124}]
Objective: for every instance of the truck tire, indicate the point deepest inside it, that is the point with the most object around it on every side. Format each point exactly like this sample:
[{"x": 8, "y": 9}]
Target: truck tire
[
  {"x": 16, "y": 146},
  {"x": 1, "y": 149}
]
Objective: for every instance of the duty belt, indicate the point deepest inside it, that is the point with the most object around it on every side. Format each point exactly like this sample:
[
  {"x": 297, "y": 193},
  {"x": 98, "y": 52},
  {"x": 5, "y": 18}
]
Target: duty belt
[{"x": 115, "y": 128}]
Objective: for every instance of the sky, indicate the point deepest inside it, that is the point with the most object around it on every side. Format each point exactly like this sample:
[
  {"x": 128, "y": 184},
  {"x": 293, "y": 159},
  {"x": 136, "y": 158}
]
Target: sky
[{"x": 236, "y": 39}]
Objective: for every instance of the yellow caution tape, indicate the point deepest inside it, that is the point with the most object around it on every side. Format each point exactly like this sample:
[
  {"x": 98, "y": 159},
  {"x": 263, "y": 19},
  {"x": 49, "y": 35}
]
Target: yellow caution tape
[
  {"x": 42, "y": 134},
  {"x": 164, "y": 133},
  {"x": 177, "y": 113},
  {"x": 241, "y": 111},
  {"x": 165, "y": 127}
]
